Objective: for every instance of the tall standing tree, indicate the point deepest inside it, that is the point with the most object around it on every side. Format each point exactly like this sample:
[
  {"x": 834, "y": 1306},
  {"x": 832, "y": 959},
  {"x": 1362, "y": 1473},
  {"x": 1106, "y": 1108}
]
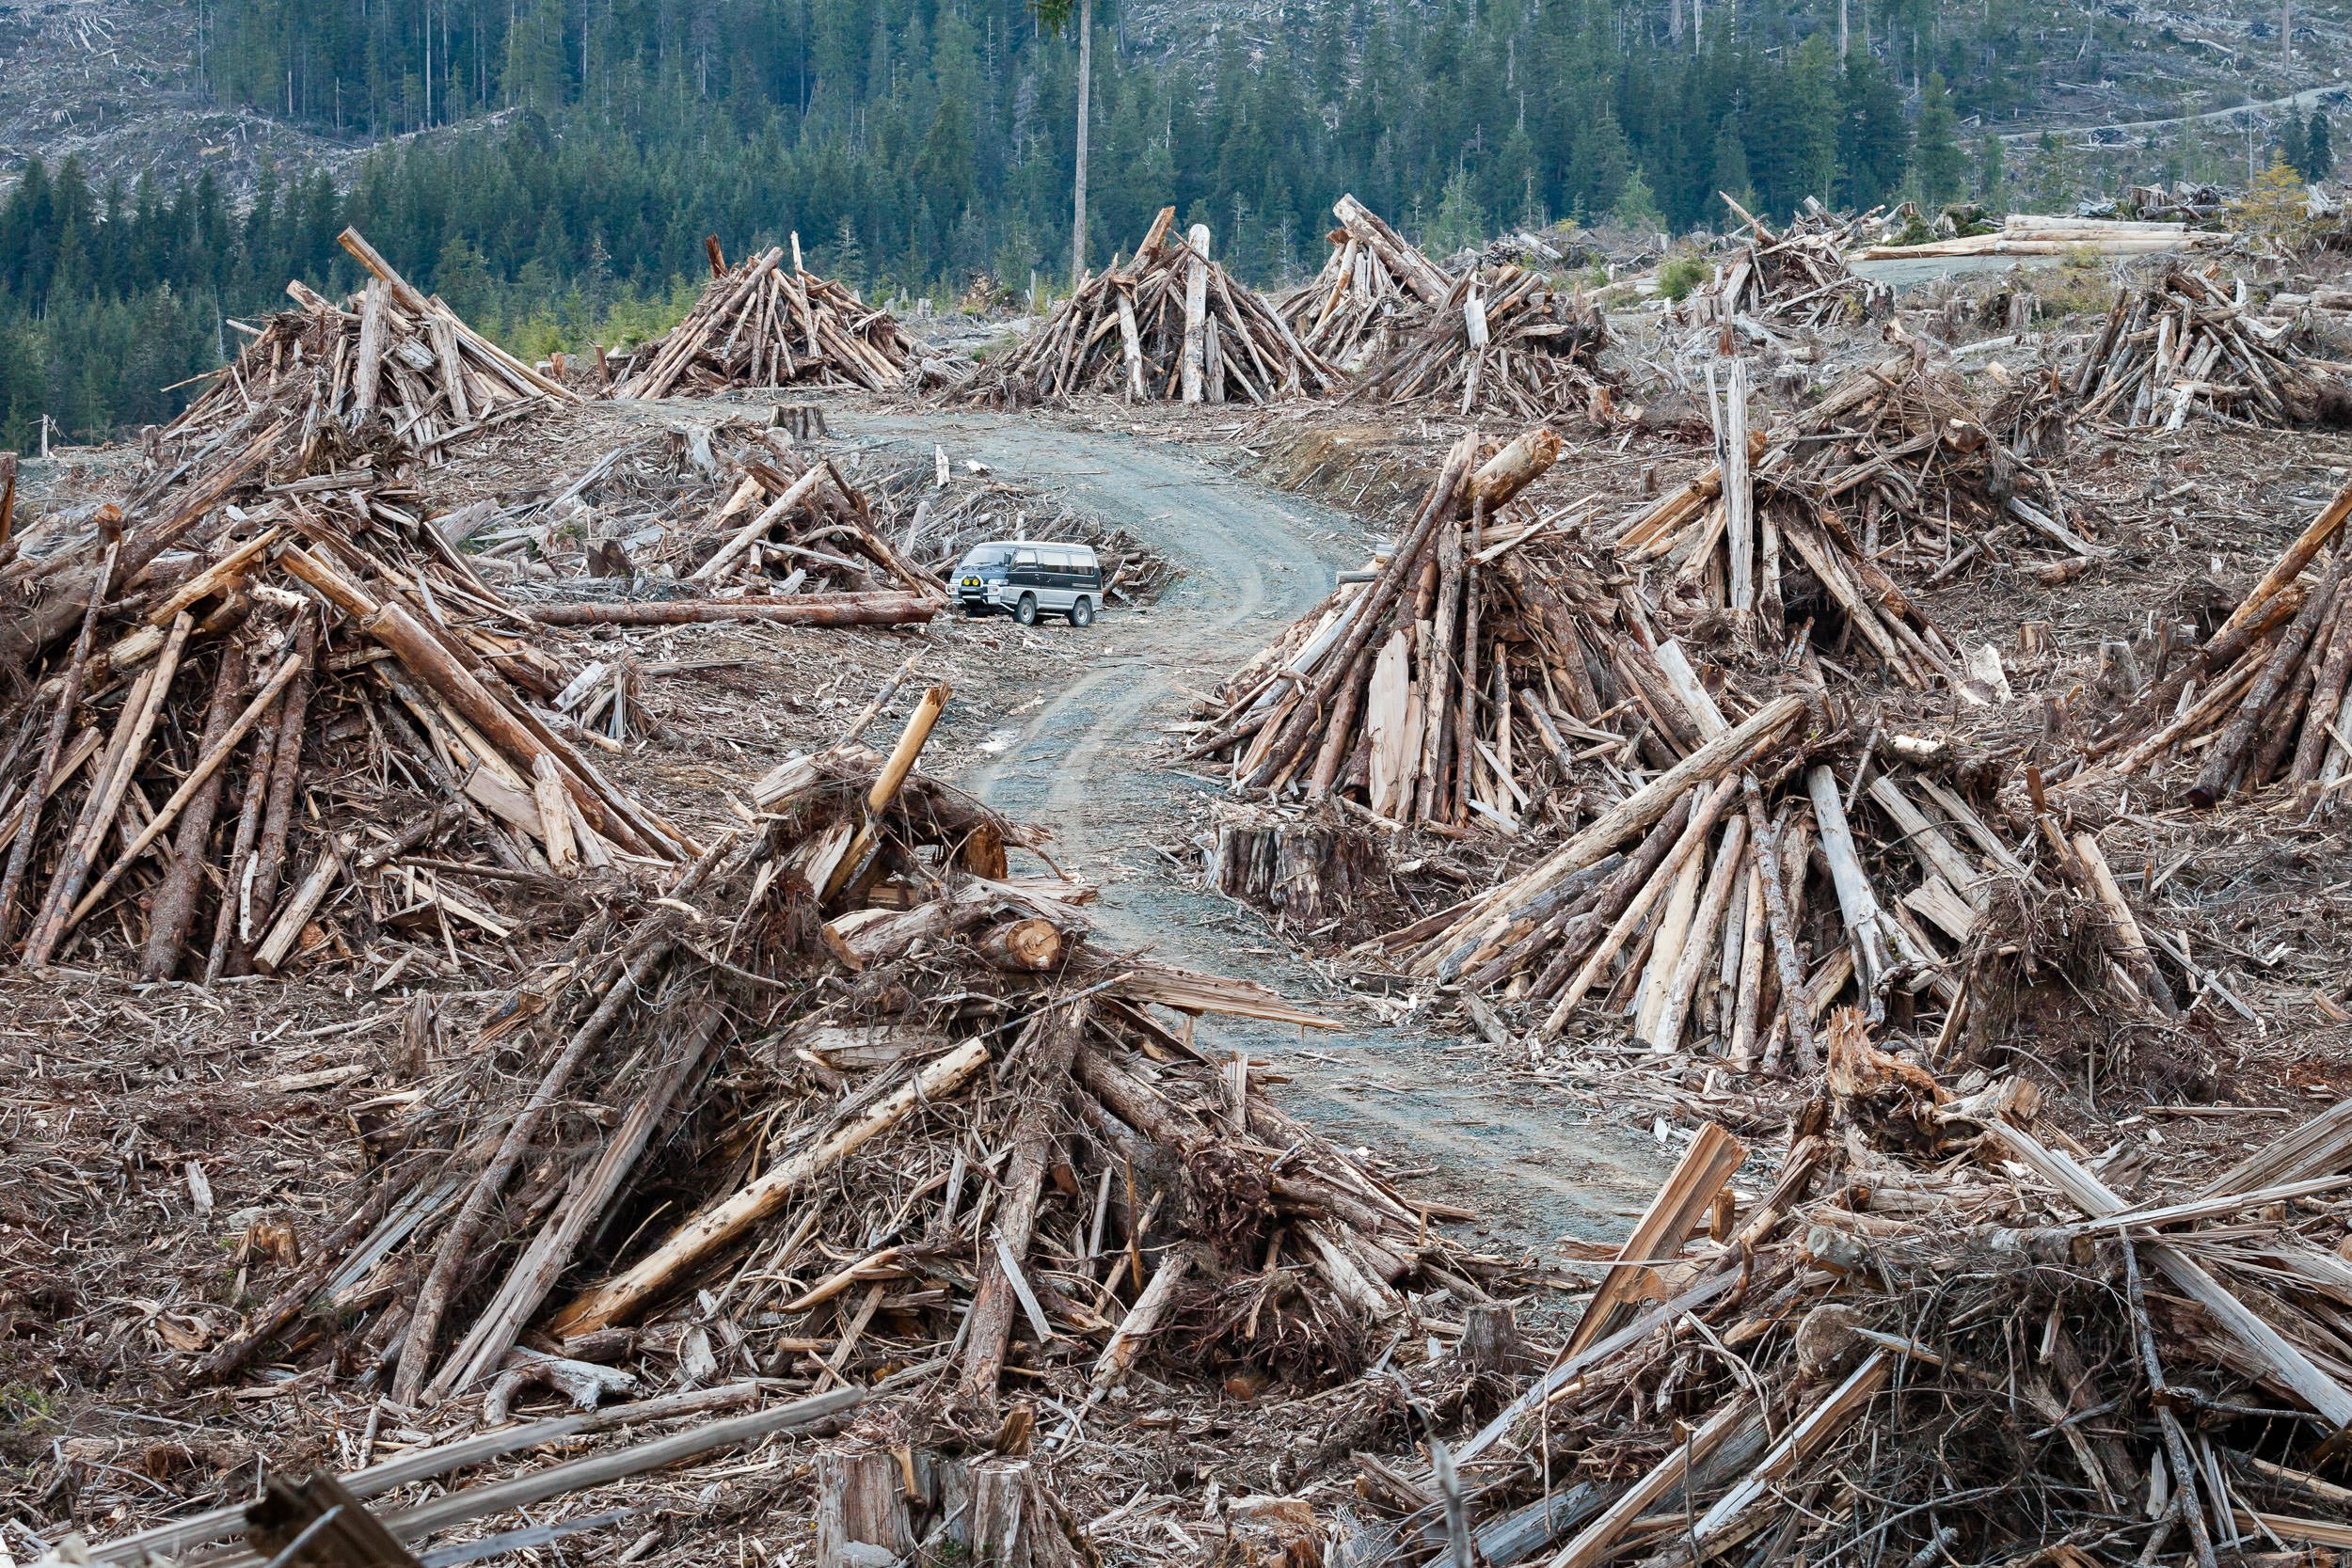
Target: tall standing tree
[{"x": 1055, "y": 16}]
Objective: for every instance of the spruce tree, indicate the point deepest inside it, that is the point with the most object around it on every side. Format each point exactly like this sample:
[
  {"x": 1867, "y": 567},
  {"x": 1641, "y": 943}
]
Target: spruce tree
[{"x": 1938, "y": 168}]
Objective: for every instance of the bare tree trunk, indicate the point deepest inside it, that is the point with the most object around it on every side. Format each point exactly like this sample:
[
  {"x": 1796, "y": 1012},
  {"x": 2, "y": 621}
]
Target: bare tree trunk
[{"x": 1086, "y": 94}]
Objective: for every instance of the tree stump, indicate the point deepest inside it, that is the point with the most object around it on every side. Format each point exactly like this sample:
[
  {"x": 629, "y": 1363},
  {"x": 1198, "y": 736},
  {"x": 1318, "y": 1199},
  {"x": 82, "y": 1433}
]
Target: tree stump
[
  {"x": 1308, "y": 868},
  {"x": 861, "y": 1510},
  {"x": 1490, "y": 1339}
]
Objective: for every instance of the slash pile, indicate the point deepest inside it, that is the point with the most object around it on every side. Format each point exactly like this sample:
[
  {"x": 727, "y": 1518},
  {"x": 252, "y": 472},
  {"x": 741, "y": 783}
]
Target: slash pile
[
  {"x": 1374, "y": 285},
  {"x": 2259, "y": 700},
  {"x": 793, "y": 542},
  {"x": 393, "y": 371},
  {"x": 848, "y": 1096},
  {"x": 1170, "y": 324},
  {"x": 2188, "y": 340},
  {"x": 196, "y": 676},
  {"x": 1940, "y": 1337},
  {"x": 1751, "y": 537},
  {"x": 1395, "y": 689},
  {"x": 1799, "y": 277},
  {"x": 757, "y": 324},
  {"x": 1503, "y": 338}
]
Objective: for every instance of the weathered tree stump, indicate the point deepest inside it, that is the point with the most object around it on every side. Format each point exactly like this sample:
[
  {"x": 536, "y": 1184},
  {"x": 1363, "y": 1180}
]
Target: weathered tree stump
[
  {"x": 861, "y": 1510},
  {"x": 1308, "y": 868}
]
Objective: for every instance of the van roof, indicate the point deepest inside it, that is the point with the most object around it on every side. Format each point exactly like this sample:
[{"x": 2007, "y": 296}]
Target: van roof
[{"x": 1029, "y": 544}]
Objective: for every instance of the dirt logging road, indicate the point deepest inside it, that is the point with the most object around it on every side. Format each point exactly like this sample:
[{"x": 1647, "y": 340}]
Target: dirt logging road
[{"x": 1092, "y": 762}]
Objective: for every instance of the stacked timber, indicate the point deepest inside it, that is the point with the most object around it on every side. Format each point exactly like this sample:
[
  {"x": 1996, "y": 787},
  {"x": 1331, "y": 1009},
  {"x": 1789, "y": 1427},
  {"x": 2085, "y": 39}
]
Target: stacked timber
[
  {"x": 195, "y": 674},
  {"x": 759, "y": 325},
  {"x": 1778, "y": 557},
  {"x": 1170, "y": 324},
  {"x": 793, "y": 543},
  {"x": 392, "y": 376},
  {"x": 2189, "y": 340},
  {"x": 1799, "y": 275},
  {"x": 1937, "y": 1335},
  {"x": 1374, "y": 286},
  {"x": 1693, "y": 906},
  {"x": 2028, "y": 235},
  {"x": 1397, "y": 693},
  {"x": 981, "y": 1145},
  {"x": 1504, "y": 340},
  {"x": 2258, "y": 702}
]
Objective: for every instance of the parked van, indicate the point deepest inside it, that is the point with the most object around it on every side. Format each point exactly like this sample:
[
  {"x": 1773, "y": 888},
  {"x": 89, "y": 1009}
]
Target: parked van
[{"x": 1025, "y": 579}]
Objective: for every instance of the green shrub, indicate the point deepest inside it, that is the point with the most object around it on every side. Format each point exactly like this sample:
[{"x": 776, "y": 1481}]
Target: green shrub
[{"x": 1682, "y": 274}]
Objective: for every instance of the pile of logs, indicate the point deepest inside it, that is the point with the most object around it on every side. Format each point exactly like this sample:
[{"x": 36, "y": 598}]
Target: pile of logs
[
  {"x": 989, "y": 1150},
  {"x": 2261, "y": 699},
  {"x": 392, "y": 377},
  {"x": 793, "y": 542},
  {"x": 195, "y": 675},
  {"x": 1374, "y": 288},
  {"x": 2188, "y": 340},
  {"x": 1169, "y": 325},
  {"x": 1777, "y": 556},
  {"x": 1799, "y": 277},
  {"x": 1692, "y": 905},
  {"x": 1393, "y": 693},
  {"x": 757, "y": 324},
  {"x": 1937, "y": 1335},
  {"x": 1504, "y": 340}
]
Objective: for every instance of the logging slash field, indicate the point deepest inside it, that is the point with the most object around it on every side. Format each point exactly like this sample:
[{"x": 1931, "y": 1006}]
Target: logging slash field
[{"x": 1641, "y": 933}]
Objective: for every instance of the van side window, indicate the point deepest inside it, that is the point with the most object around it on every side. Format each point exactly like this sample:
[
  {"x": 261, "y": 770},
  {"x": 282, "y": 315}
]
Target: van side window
[{"x": 1025, "y": 558}]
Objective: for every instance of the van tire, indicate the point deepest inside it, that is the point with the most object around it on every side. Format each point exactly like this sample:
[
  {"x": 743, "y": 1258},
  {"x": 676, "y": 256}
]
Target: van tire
[
  {"x": 1025, "y": 611},
  {"x": 1081, "y": 613}
]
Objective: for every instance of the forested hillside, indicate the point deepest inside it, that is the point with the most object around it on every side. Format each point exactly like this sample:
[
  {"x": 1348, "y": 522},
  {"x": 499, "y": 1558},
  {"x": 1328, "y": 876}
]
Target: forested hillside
[{"x": 912, "y": 143}]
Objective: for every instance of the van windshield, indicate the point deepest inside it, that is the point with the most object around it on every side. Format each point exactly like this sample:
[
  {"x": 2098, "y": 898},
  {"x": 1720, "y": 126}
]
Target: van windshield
[{"x": 982, "y": 557}]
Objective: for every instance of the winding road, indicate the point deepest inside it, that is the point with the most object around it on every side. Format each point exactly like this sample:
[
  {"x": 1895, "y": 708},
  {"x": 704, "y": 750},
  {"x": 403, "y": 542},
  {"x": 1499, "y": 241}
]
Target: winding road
[{"x": 1092, "y": 762}]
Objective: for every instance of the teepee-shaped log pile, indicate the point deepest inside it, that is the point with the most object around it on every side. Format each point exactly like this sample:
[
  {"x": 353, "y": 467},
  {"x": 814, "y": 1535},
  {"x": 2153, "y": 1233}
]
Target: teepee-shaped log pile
[
  {"x": 163, "y": 748},
  {"x": 1170, "y": 324},
  {"x": 1788, "y": 560},
  {"x": 394, "y": 370},
  {"x": 1504, "y": 340},
  {"x": 1799, "y": 277},
  {"x": 1687, "y": 907},
  {"x": 1374, "y": 286},
  {"x": 1398, "y": 691},
  {"x": 2189, "y": 339},
  {"x": 757, "y": 324},
  {"x": 2262, "y": 698}
]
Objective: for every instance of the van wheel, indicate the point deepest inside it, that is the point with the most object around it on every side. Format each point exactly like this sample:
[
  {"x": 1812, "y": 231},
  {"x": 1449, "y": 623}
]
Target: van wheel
[
  {"x": 1082, "y": 613},
  {"x": 1025, "y": 611}
]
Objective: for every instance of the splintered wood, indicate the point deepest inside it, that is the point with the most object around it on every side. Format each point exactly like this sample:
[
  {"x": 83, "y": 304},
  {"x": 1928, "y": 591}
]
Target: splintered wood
[
  {"x": 1169, "y": 326},
  {"x": 2260, "y": 702},
  {"x": 762, "y": 324},
  {"x": 1798, "y": 277},
  {"x": 1374, "y": 286},
  {"x": 1800, "y": 1381},
  {"x": 1388, "y": 693},
  {"x": 216, "y": 664},
  {"x": 2189, "y": 340},
  {"x": 393, "y": 376}
]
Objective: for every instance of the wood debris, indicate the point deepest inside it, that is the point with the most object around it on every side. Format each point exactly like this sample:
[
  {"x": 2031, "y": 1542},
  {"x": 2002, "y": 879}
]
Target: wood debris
[
  {"x": 2189, "y": 340},
  {"x": 2259, "y": 701},
  {"x": 1375, "y": 288},
  {"x": 759, "y": 324},
  {"x": 1394, "y": 692},
  {"x": 2033, "y": 234},
  {"x": 392, "y": 376},
  {"x": 1169, "y": 326},
  {"x": 197, "y": 671},
  {"x": 1797, "y": 276},
  {"x": 1801, "y": 1379},
  {"x": 1503, "y": 340}
]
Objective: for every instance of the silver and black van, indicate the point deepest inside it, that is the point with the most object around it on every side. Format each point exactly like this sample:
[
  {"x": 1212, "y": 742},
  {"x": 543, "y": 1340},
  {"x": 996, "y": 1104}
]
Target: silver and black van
[{"x": 1025, "y": 579}]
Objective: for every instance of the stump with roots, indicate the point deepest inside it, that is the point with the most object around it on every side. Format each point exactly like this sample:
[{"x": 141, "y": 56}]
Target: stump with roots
[{"x": 1308, "y": 868}]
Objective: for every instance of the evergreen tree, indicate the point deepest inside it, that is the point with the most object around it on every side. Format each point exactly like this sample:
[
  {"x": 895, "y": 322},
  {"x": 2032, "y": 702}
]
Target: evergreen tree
[
  {"x": 1730, "y": 176},
  {"x": 1938, "y": 166},
  {"x": 2319, "y": 152},
  {"x": 1637, "y": 205}
]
